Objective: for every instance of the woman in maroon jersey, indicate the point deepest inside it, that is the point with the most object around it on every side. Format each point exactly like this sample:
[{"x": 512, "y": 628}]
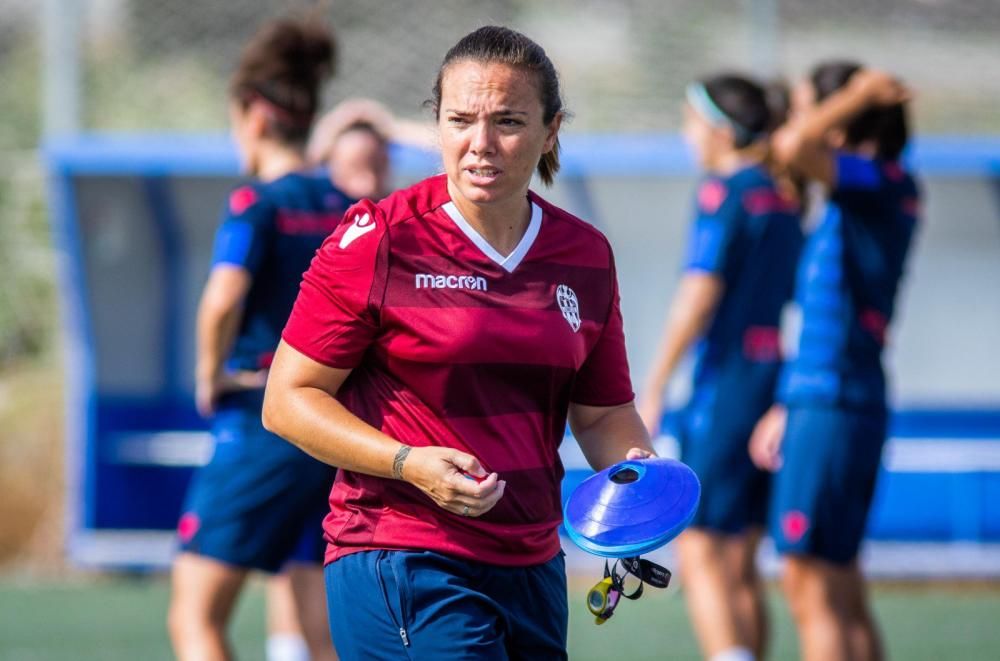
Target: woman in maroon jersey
[{"x": 441, "y": 340}]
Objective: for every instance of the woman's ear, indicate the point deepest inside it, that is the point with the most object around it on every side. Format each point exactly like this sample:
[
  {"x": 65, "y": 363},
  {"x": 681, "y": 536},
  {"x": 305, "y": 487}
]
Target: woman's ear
[
  {"x": 553, "y": 132},
  {"x": 722, "y": 139},
  {"x": 255, "y": 120}
]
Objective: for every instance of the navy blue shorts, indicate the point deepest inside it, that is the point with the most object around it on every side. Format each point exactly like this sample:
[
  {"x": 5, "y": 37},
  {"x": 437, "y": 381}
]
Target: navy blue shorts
[
  {"x": 259, "y": 502},
  {"x": 421, "y": 605},
  {"x": 823, "y": 492},
  {"x": 714, "y": 440}
]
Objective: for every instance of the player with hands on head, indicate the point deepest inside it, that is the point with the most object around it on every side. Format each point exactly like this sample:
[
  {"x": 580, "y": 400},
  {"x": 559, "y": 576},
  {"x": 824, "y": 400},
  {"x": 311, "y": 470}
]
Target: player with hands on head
[
  {"x": 738, "y": 274},
  {"x": 352, "y": 142},
  {"x": 441, "y": 340},
  {"x": 824, "y": 438},
  {"x": 259, "y": 503}
]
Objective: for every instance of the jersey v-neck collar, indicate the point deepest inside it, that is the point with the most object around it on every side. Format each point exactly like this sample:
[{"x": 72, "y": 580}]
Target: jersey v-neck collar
[{"x": 511, "y": 261}]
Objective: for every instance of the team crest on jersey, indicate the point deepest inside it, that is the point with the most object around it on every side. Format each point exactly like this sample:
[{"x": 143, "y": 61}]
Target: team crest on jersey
[{"x": 569, "y": 306}]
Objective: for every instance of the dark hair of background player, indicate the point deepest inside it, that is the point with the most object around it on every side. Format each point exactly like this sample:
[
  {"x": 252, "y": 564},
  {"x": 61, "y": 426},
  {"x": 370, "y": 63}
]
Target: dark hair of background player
[{"x": 284, "y": 66}]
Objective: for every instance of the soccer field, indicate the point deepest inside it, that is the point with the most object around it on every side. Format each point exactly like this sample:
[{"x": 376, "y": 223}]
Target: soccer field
[{"x": 122, "y": 619}]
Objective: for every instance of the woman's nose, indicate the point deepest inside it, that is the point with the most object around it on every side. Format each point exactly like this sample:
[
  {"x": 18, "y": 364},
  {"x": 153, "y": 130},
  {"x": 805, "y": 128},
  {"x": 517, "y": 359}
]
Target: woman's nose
[{"x": 482, "y": 138}]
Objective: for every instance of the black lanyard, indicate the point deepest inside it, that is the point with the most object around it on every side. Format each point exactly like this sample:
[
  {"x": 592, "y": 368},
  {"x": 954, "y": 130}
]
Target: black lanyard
[{"x": 603, "y": 598}]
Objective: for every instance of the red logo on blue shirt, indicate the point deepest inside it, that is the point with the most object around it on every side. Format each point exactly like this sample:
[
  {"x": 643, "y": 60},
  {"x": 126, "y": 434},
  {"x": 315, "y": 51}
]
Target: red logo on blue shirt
[
  {"x": 794, "y": 525},
  {"x": 711, "y": 195},
  {"x": 188, "y": 526},
  {"x": 242, "y": 199},
  {"x": 893, "y": 171},
  {"x": 875, "y": 323}
]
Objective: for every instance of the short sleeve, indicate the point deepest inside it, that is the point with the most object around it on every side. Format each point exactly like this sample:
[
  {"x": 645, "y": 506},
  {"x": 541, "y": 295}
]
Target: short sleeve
[
  {"x": 335, "y": 317},
  {"x": 715, "y": 225},
  {"x": 603, "y": 379},
  {"x": 867, "y": 187},
  {"x": 246, "y": 230},
  {"x": 857, "y": 173}
]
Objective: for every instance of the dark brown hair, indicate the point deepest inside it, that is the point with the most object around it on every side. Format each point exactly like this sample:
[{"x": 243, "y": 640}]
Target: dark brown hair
[
  {"x": 494, "y": 44},
  {"x": 887, "y": 126},
  {"x": 755, "y": 110},
  {"x": 745, "y": 103},
  {"x": 284, "y": 65}
]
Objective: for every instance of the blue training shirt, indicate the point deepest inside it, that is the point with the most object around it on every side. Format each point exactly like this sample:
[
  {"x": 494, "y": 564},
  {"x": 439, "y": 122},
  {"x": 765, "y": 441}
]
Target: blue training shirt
[
  {"x": 847, "y": 284},
  {"x": 748, "y": 234},
  {"x": 272, "y": 230}
]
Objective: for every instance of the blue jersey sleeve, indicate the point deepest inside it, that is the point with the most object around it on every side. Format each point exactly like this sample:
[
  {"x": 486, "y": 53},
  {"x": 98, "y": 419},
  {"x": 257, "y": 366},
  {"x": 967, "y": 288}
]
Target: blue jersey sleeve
[
  {"x": 245, "y": 232},
  {"x": 870, "y": 189},
  {"x": 857, "y": 173},
  {"x": 715, "y": 226}
]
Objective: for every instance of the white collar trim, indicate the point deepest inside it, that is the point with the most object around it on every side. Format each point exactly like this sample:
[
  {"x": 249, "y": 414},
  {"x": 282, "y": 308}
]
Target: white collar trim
[{"x": 511, "y": 261}]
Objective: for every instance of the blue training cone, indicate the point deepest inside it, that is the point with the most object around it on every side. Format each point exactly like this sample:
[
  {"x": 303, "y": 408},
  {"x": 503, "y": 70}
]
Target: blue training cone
[{"x": 632, "y": 508}]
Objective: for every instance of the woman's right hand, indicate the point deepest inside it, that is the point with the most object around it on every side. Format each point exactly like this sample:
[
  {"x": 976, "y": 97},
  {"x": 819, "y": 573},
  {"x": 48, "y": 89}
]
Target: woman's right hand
[{"x": 454, "y": 480}]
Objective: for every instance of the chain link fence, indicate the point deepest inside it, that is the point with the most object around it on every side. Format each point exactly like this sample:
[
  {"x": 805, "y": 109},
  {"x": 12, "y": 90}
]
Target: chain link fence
[
  {"x": 151, "y": 65},
  {"x": 155, "y": 66}
]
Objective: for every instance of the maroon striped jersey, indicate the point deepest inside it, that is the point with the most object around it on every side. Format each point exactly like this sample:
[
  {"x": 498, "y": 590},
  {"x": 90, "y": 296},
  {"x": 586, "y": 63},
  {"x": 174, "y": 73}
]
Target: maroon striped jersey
[{"x": 454, "y": 345}]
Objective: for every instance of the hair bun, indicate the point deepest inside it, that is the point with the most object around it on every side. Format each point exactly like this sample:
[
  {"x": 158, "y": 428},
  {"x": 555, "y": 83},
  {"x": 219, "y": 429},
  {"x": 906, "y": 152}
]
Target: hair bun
[{"x": 285, "y": 63}]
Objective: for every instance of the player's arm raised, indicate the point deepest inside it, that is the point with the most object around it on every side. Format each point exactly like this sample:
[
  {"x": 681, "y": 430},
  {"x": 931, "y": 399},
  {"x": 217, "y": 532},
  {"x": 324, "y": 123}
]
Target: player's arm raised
[{"x": 802, "y": 143}]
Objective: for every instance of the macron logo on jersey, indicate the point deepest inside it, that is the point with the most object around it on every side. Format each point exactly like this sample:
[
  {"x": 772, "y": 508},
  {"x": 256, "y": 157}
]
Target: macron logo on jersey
[
  {"x": 432, "y": 281},
  {"x": 361, "y": 226}
]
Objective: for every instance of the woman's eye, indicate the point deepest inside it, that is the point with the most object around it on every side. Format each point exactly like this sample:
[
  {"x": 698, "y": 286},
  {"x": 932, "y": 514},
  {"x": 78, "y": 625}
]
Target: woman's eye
[
  {"x": 458, "y": 120},
  {"x": 510, "y": 121}
]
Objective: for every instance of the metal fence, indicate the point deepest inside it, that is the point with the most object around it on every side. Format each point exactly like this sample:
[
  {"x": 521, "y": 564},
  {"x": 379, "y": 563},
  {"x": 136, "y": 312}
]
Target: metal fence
[{"x": 155, "y": 65}]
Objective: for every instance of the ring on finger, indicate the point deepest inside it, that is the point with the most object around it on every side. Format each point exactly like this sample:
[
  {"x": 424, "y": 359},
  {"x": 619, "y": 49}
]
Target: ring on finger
[{"x": 465, "y": 510}]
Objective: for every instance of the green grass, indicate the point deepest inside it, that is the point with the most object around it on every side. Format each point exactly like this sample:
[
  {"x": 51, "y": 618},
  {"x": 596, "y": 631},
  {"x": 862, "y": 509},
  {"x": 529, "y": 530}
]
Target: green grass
[{"x": 119, "y": 619}]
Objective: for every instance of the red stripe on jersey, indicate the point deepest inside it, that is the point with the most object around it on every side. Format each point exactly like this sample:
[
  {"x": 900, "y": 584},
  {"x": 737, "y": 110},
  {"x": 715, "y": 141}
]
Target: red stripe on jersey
[
  {"x": 485, "y": 390},
  {"x": 360, "y": 520},
  {"x": 762, "y": 343},
  {"x": 294, "y": 222},
  {"x": 764, "y": 201},
  {"x": 508, "y": 445},
  {"x": 487, "y": 335}
]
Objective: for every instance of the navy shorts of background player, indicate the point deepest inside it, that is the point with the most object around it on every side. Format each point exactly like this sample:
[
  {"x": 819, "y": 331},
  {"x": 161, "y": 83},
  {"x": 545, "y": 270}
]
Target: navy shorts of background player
[
  {"x": 748, "y": 234},
  {"x": 260, "y": 501},
  {"x": 835, "y": 388}
]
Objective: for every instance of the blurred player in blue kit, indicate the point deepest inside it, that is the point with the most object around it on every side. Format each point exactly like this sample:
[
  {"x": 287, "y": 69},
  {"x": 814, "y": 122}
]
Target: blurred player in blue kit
[
  {"x": 825, "y": 437},
  {"x": 351, "y": 144},
  {"x": 259, "y": 503},
  {"x": 738, "y": 274}
]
